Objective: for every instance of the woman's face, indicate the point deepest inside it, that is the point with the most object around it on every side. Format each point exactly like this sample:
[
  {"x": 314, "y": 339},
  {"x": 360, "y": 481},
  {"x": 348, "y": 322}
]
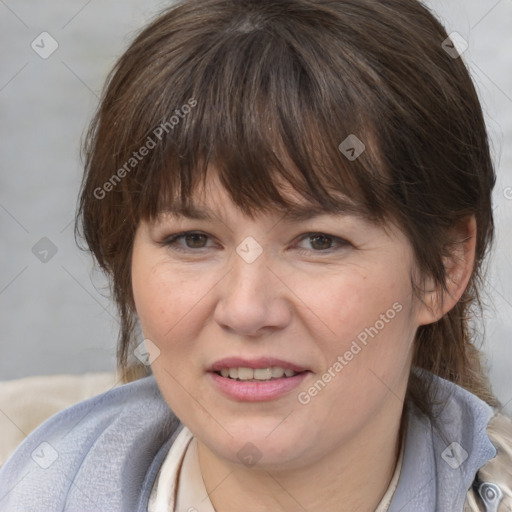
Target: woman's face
[{"x": 330, "y": 295}]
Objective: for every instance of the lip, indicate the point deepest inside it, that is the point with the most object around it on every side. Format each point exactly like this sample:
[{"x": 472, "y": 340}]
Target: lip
[
  {"x": 256, "y": 391},
  {"x": 261, "y": 362}
]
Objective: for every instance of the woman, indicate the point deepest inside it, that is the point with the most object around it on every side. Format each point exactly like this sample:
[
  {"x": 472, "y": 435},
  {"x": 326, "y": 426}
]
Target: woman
[{"x": 293, "y": 202}]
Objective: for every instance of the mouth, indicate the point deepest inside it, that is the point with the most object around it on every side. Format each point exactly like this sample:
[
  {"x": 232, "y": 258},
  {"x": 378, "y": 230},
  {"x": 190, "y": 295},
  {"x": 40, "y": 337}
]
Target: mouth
[
  {"x": 245, "y": 374},
  {"x": 256, "y": 380},
  {"x": 261, "y": 369}
]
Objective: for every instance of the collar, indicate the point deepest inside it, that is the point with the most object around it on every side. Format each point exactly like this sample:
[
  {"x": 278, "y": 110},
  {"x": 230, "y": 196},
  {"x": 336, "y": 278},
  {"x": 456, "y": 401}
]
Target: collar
[{"x": 443, "y": 455}]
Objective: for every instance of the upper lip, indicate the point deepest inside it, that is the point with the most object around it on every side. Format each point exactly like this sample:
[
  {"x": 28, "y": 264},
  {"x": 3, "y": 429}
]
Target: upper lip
[{"x": 261, "y": 362}]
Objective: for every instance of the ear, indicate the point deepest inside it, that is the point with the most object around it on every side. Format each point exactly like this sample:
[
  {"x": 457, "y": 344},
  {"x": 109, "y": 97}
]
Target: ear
[{"x": 437, "y": 301}]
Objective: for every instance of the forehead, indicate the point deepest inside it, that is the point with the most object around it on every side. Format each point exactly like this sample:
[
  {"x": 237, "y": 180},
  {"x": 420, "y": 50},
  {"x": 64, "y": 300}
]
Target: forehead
[{"x": 211, "y": 200}]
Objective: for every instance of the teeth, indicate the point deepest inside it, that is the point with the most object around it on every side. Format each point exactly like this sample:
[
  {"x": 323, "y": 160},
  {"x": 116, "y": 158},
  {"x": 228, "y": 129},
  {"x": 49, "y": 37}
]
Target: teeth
[
  {"x": 277, "y": 372},
  {"x": 274, "y": 372},
  {"x": 262, "y": 373},
  {"x": 243, "y": 373}
]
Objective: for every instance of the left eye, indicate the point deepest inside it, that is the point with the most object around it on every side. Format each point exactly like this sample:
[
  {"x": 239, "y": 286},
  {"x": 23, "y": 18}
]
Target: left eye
[{"x": 321, "y": 242}]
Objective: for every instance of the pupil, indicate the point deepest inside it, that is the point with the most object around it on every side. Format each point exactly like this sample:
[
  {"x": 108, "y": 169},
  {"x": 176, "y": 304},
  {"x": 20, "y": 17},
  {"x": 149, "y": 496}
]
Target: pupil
[
  {"x": 195, "y": 240},
  {"x": 320, "y": 242}
]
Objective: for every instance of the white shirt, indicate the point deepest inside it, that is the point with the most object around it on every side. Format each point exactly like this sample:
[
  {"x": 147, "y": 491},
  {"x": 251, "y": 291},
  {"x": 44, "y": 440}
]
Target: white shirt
[{"x": 179, "y": 485}]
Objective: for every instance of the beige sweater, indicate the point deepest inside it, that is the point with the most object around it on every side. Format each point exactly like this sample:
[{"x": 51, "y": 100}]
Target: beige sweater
[{"x": 26, "y": 403}]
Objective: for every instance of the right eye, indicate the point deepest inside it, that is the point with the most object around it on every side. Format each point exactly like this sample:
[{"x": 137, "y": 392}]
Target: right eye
[{"x": 187, "y": 241}]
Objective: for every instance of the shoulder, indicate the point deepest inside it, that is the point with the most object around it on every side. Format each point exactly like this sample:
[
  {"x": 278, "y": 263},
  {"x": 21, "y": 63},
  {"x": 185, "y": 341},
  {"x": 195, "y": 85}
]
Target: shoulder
[
  {"x": 492, "y": 489},
  {"x": 92, "y": 453},
  {"x": 448, "y": 448}
]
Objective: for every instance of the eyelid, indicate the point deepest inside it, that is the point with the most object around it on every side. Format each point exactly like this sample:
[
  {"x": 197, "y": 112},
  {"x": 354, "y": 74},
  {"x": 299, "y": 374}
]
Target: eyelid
[
  {"x": 341, "y": 242},
  {"x": 169, "y": 240}
]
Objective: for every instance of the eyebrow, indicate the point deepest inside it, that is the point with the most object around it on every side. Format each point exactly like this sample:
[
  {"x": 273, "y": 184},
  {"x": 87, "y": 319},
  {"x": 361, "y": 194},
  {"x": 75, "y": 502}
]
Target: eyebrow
[{"x": 294, "y": 213}]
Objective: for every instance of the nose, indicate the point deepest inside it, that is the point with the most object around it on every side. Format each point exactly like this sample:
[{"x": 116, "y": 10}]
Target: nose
[{"x": 252, "y": 300}]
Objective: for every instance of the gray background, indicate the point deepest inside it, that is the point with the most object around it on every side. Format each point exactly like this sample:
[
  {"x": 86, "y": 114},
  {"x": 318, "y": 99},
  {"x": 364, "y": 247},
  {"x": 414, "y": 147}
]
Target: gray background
[{"x": 56, "y": 316}]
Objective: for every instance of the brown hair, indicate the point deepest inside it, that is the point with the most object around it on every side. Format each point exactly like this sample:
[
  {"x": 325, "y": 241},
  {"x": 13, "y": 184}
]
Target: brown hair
[{"x": 267, "y": 91}]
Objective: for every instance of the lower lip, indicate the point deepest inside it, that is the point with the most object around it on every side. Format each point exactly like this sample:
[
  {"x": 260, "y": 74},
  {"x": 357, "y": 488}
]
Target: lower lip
[{"x": 257, "y": 391}]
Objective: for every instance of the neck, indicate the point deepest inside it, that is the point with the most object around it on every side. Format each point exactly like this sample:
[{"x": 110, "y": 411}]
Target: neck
[{"x": 355, "y": 474}]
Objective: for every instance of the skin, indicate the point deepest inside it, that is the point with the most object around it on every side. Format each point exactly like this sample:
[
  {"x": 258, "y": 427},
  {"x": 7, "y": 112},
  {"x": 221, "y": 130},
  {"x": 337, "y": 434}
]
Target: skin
[{"x": 339, "y": 451}]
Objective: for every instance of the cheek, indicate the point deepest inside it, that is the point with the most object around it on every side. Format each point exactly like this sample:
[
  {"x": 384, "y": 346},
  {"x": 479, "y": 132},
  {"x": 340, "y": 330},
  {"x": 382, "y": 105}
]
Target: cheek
[
  {"x": 342, "y": 304},
  {"x": 156, "y": 294},
  {"x": 152, "y": 296},
  {"x": 363, "y": 329},
  {"x": 361, "y": 323},
  {"x": 170, "y": 303}
]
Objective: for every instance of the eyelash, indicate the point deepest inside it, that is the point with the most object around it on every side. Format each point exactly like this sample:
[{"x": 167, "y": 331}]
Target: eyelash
[{"x": 170, "y": 242}]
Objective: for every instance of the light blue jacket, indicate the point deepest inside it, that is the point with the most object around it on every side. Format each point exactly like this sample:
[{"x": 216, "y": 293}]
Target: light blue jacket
[{"x": 103, "y": 455}]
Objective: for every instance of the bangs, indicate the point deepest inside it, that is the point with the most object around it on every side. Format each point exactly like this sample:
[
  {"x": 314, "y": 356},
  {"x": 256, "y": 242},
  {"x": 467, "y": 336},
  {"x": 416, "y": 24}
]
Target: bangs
[{"x": 266, "y": 112}]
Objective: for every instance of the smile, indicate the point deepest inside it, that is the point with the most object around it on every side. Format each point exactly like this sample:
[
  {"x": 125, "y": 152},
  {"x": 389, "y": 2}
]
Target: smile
[
  {"x": 257, "y": 374},
  {"x": 255, "y": 390}
]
